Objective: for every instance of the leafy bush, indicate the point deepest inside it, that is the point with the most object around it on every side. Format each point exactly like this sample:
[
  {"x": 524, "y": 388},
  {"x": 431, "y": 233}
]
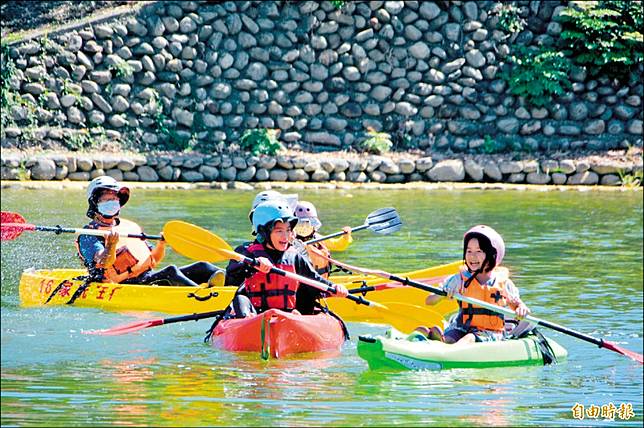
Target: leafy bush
[
  {"x": 604, "y": 35},
  {"x": 538, "y": 74},
  {"x": 377, "y": 142},
  {"x": 339, "y": 4},
  {"x": 260, "y": 141},
  {"x": 509, "y": 19}
]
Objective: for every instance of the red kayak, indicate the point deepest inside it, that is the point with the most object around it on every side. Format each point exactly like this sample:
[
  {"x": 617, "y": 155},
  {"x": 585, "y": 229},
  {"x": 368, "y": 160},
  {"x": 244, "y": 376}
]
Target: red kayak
[{"x": 277, "y": 333}]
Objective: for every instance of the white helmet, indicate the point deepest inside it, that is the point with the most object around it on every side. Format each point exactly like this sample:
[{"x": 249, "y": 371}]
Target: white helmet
[
  {"x": 101, "y": 183},
  {"x": 272, "y": 195},
  {"x": 308, "y": 221}
]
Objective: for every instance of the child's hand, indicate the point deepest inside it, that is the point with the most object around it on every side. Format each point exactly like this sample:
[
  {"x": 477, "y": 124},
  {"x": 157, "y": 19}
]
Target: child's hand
[
  {"x": 522, "y": 310},
  {"x": 347, "y": 230},
  {"x": 265, "y": 265},
  {"x": 341, "y": 290}
]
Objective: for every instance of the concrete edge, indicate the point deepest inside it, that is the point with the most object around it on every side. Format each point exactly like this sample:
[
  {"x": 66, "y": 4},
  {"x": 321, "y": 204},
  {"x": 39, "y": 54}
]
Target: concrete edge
[{"x": 235, "y": 185}]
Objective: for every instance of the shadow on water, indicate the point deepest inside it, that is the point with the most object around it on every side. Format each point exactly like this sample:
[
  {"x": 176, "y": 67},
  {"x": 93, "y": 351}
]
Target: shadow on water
[{"x": 577, "y": 258}]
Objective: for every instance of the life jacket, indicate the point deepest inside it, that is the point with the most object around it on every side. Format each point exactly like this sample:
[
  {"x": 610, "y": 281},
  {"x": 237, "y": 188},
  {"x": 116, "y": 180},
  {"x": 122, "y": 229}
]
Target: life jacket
[
  {"x": 133, "y": 255},
  {"x": 320, "y": 263},
  {"x": 271, "y": 291},
  {"x": 475, "y": 317}
]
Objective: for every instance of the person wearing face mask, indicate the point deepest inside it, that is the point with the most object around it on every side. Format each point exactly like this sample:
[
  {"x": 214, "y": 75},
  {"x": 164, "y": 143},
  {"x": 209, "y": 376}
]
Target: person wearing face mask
[
  {"x": 307, "y": 228},
  {"x": 118, "y": 259},
  {"x": 261, "y": 290}
]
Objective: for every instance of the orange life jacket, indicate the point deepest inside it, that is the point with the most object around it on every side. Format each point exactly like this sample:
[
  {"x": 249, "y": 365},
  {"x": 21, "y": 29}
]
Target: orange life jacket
[
  {"x": 472, "y": 316},
  {"x": 133, "y": 255},
  {"x": 320, "y": 263},
  {"x": 270, "y": 291}
]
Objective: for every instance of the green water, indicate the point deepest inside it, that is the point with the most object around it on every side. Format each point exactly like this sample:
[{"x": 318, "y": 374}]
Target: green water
[{"x": 577, "y": 258}]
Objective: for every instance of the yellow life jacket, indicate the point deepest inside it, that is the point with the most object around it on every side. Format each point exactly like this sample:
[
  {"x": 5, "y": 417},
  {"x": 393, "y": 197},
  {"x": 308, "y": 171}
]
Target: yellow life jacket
[
  {"x": 319, "y": 254},
  {"x": 133, "y": 255},
  {"x": 475, "y": 317}
]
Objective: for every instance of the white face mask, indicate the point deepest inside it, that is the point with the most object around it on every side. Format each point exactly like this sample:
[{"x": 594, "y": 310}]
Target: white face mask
[
  {"x": 306, "y": 227},
  {"x": 109, "y": 208}
]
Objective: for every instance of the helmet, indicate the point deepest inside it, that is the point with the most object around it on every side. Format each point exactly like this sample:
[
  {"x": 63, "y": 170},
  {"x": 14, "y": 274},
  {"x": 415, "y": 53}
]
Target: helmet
[
  {"x": 267, "y": 213},
  {"x": 105, "y": 182},
  {"x": 308, "y": 221},
  {"x": 271, "y": 195},
  {"x": 493, "y": 236}
]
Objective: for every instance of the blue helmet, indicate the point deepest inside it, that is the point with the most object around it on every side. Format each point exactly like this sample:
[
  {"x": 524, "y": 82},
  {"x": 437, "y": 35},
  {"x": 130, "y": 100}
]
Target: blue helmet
[{"x": 267, "y": 213}]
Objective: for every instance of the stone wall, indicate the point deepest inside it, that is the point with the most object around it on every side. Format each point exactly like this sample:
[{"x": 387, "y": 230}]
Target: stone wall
[
  {"x": 222, "y": 168},
  {"x": 202, "y": 73}
]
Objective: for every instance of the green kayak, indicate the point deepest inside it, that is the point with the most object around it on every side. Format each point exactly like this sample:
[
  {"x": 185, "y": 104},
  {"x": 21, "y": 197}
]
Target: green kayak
[{"x": 396, "y": 350}]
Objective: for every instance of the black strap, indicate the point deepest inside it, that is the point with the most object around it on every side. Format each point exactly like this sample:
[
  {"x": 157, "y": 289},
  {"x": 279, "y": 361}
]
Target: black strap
[
  {"x": 86, "y": 283},
  {"x": 271, "y": 293},
  {"x": 547, "y": 353}
]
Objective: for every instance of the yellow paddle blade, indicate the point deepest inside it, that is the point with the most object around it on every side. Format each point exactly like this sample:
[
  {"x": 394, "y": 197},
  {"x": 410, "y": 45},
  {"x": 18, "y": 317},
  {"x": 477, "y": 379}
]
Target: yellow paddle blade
[
  {"x": 405, "y": 317},
  {"x": 445, "y": 307},
  {"x": 195, "y": 242}
]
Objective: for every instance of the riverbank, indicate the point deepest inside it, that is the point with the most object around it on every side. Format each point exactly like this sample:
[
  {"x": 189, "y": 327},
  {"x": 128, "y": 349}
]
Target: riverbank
[{"x": 617, "y": 168}]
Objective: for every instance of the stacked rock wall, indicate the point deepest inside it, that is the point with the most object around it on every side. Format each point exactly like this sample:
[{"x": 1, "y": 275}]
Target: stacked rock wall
[
  {"x": 201, "y": 73},
  {"x": 215, "y": 168}
]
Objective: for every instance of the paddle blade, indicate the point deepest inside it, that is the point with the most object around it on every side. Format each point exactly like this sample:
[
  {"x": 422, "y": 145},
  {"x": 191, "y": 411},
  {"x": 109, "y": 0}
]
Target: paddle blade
[
  {"x": 126, "y": 328},
  {"x": 384, "y": 221},
  {"x": 11, "y": 217},
  {"x": 195, "y": 242},
  {"x": 405, "y": 317},
  {"x": 630, "y": 354}
]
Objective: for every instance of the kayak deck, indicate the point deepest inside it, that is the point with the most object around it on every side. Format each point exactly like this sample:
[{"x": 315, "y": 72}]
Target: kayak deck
[
  {"x": 276, "y": 333},
  {"x": 400, "y": 353}
]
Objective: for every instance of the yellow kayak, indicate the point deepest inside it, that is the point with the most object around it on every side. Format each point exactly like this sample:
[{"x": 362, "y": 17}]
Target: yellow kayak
[{"x": 59, "y": 286}]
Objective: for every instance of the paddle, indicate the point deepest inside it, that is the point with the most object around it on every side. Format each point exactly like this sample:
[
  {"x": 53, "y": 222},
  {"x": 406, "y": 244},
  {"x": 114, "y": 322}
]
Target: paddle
[
  {"x": 140, "y": 325},
  {"x": 200, "y": 244},
  {"x": 383, "y": 222},
  {"x": 13, "y": 224},
  {"x": 442, "y": 309},
  {"x": 599, "y": 342}
]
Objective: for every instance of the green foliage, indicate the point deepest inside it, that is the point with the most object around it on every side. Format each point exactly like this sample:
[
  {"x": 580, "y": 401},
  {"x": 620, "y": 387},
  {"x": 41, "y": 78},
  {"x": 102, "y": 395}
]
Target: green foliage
[
  {"x": 538, "y": 74},
  {"x": 491, "y": 145},
  {"x": 339, "y": 4},
  {"x": 122, "y": 69},
  {"x": 604, "y": 35},
  {"x": 377, "y": 142},
  {"x": 509, "y": 18},
  {"x": 7, "y": 72},
  {"x": 631, "y": 181},
  {"x": 82, "y": 139},
  {"x": 260, "y": 141}
]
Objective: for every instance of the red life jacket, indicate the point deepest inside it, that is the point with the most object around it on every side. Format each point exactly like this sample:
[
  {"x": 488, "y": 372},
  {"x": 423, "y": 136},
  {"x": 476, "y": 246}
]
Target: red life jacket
[
  {"x": 270, "y": 291},
  {"x": 133, "y": 256},
  {"x": 472, "y": 316}
]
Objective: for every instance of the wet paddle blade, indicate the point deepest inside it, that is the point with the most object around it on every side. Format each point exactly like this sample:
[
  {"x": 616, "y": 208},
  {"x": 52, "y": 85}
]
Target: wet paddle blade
[
  {"x": 195, "y": 242},
  {"x": 405, "y": 317},
  {"x": 126, "y": 328},
  {"x": 384, "y": 221},
  {"x": 630, "y": 354},
  {"x": 12, "y": 225}
]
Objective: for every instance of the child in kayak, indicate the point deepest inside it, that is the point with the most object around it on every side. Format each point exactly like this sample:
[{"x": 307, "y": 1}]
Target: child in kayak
[
  {"x": 260, "y": 290},
  {"x": 482, "y": 278},
  {"x": 130, "y": 260},
  {"x": 307, "y": 229}
]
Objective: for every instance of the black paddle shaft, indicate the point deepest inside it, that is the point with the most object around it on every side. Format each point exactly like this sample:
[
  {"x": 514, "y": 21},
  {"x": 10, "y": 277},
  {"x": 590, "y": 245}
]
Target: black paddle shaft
[
  {"x": 557, "y": 327},
  {"x": 193, "y": 317},
  {"x": 59, "y": 229},
  {"x": 358, "y": 299}
]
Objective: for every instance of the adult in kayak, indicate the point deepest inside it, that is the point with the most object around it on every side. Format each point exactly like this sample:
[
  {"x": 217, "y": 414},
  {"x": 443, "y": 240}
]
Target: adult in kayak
[
  {"x": 483, "y": 278},
  {"x": 261, "y": 290},
  {"x": 307, "y": 229},
  {"x": 129, "y": 260}
]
